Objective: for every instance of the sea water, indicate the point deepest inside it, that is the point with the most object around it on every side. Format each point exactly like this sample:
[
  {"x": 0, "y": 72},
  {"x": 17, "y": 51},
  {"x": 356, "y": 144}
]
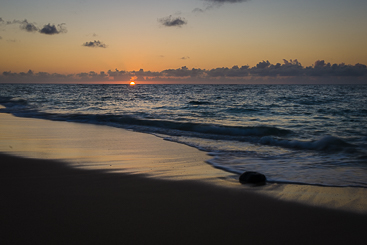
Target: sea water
[{"x": 308, "y": 134}]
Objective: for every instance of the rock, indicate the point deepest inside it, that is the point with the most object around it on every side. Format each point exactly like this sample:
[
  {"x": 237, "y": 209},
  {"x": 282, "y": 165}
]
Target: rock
[{"x": 252, "y": 177}]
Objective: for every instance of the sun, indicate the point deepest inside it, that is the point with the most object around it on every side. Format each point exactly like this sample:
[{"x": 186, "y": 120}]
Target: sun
[{"x": 132, "y": 83}]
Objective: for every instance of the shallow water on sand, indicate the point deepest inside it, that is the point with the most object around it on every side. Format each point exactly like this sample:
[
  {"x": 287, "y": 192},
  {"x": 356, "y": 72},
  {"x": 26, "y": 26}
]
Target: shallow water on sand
[{"x": 104, "y": 148}]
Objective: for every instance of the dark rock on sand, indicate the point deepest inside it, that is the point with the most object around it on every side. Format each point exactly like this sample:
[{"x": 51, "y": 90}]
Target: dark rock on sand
[{"x": 252, "y": 177}]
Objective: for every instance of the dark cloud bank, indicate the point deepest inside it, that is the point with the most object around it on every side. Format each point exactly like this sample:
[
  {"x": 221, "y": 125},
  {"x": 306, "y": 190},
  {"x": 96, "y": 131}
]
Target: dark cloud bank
[{"x": 263, "y": 73}]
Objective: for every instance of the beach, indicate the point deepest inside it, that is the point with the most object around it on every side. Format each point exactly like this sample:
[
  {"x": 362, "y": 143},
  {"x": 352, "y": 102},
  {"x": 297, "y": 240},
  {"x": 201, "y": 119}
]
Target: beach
[
  {"x": 61, "y": 187},
  {"x": 183, "y": 122},
  {"x": 45, "y": 202}
]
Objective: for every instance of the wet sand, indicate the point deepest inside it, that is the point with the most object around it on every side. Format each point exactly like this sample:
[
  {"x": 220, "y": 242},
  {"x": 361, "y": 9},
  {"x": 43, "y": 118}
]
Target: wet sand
[
  {"x": 47, "y": 202},
  {"x": 91, "y": 146}
]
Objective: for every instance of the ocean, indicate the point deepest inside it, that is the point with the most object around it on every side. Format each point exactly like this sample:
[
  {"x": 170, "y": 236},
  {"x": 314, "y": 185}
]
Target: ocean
[{"x": 304, "y": 134}]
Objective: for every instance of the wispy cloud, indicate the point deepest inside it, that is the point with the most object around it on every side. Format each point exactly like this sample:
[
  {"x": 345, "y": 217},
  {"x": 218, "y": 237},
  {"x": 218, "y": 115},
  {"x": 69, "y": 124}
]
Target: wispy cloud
[
  {"x": 171, "y": 21},
  {"x": 216, "y": 3},
  {"x": 198, "y": 10},
  {"x": 95, "y": 44},
  {"x": 185, "y": 58}
]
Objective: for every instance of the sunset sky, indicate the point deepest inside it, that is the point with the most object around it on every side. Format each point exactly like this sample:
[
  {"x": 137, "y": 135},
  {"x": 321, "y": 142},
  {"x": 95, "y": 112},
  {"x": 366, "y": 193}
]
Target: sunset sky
[{"x": 73, "y": 38}]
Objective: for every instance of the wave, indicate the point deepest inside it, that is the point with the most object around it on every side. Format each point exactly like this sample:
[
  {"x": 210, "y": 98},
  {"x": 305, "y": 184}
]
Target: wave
[
  {"x": 265, "y": 135},
  {"x": 242, "y": 110},
  {"x": 213, "y": 162},
  {"x": 131, "y": 121},
  {"x": 194, "y": 102},
  {"x": 12, "y": 101},
  {"x": 329, "y": 143},
  {"x": 20, "y": 107},
  {"x": 216, "y": 162},
  {"x": 15, "y": 105}
]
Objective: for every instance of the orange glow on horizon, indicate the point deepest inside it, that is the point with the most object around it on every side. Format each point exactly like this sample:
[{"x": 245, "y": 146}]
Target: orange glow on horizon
[{"x": 132, "y": 83}]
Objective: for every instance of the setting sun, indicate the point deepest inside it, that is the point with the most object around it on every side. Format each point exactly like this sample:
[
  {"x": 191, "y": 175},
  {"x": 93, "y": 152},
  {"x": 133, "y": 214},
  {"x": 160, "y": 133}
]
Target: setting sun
[{"x": 132, "y": 83}]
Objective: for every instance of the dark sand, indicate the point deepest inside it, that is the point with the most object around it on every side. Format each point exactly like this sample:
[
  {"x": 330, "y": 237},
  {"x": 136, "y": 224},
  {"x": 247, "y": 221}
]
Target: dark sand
[{"x": 46, "y": 202}]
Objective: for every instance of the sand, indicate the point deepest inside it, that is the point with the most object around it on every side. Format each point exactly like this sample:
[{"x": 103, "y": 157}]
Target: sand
[
  {"x": 73, "y": 183},
  {"x": 46, "y": 202}
]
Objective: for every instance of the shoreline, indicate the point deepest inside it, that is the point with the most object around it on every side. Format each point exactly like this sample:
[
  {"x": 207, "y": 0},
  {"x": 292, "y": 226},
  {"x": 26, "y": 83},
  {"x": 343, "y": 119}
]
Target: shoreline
[
  {"x": 90, "y": 146},
  {"x": 48, "y": 202},
  {"x": 96, "y": 147}
]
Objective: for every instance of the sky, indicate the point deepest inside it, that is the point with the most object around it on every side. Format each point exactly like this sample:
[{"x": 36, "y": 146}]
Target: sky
[{"x": 183, "y": 41}]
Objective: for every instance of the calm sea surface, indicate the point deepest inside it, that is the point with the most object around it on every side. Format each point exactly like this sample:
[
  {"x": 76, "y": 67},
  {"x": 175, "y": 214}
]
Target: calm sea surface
[{"x": 311, "y": 134}]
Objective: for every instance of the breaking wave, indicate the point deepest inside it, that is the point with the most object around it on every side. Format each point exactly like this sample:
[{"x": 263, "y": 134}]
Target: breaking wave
[{"x": 330, "y": 143}]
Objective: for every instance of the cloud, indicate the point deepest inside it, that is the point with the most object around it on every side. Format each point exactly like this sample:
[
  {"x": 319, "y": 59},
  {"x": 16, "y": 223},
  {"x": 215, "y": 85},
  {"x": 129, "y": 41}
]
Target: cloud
[
  {"x": 118, "y": 75},
  {"x": 216, "y": 3},
  {"x": 29, "y": 27},
  {"x": 182, "y": 72},
  {"x": 185, "y": 58},
  {"x": 235, "y": 71},
  {"x": 141, "y": 74},
  {"x": 198, "y": 10},
  {"x": 291, "y": 71},
  {"x": 170, "y": 21},
  {"x": 95, "y": 44},
  {"x": 266, "y": 69},
  {"x": 321, "y": 68},
  {"x": 93, "y": 76},
  {"x": 32, "y": 77},
  {"x": 23, "y": 25},
  {"x": 263, "y": 64},
  {"x": 52, "y": 29}
]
